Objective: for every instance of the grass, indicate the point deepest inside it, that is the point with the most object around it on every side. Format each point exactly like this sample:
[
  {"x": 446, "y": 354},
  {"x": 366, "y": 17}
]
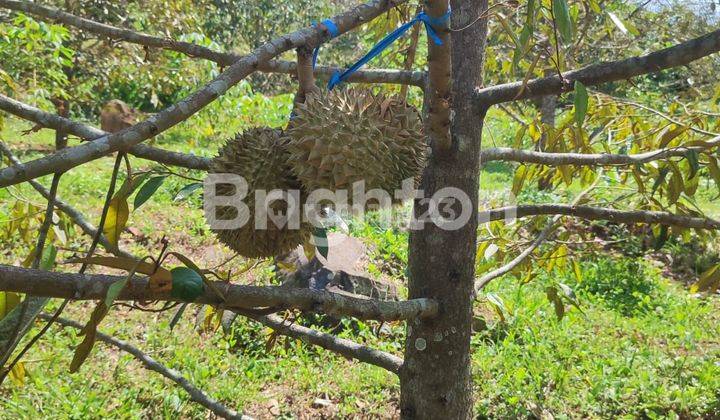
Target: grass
[
  {"x": 641, "y": 347},
  {"x": 653, "y": 356}
]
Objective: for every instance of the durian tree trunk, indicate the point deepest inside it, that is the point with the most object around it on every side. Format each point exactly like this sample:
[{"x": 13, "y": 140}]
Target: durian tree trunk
[{"x": 435, "y": 379}]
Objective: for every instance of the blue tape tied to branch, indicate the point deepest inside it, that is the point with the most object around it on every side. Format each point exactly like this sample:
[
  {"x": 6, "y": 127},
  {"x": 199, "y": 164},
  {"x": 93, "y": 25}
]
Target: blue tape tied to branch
[
  {"x": 334, "y": 32},
  {"x": 428, "y": 21}
]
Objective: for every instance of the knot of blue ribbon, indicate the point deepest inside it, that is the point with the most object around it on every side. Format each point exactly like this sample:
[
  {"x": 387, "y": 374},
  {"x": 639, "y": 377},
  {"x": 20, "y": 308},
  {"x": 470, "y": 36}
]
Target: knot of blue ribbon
[
  {"x": 428, "y": 21},
  {"x": 334, "y": 32}
]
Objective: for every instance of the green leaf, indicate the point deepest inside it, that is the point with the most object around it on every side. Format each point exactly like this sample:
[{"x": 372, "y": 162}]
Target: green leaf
[
  {"x": 114, "y": 291},
  {"x": 581, "y": 103},
  {"x": 714, "y": 170},
  {"x": 693, "y": 159},
  {"x": 554, "y": 298},
  {"x": 9, "y": 323},
  {"x": 661, "y": 238},
  {"x": 519, "y": 179},
  {"x": 660, "y": 179},
  {"x": 147, "y": 190},
  {"x": 47, "y": 259},
  {"x": 568, "y": 292},
  {"x": 563, "y": 22},
  {"x": 321, "y": 242},
  {"x": 178, "y": 314},
  {"x": 187, "y": 284},
  {"x": 570, "y": 296},
  {"x": 498, "y": 306},
  {"x": 669, "y": 133},
  {"x": 187, "y": 191}
]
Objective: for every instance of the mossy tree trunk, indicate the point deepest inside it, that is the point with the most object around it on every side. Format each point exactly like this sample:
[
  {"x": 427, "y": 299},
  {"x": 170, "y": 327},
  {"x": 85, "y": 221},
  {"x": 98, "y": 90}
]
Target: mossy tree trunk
[{"x": 435, "y": 379}]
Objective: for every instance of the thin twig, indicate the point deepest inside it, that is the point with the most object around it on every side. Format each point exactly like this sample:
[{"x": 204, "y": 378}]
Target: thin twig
[
  {"x": 195, "y": 393},
  {"x": 39, "y": 247},
  {"x": 338, "y": 345},
  {"x": 488, "y": 277},
  {"x": 66, "y": 208},
  {"x": 91, "y": 251}
]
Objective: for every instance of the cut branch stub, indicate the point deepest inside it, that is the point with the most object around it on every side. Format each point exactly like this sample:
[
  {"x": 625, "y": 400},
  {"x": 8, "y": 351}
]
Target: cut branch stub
[{"x": 306, "y": 78}]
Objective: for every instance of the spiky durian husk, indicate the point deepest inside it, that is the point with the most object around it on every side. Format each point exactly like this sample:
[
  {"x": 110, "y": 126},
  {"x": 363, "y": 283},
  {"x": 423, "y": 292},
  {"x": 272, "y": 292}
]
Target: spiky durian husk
[
  {"x": 258, "y": 156},
  {"x": 341, "y": 137}
]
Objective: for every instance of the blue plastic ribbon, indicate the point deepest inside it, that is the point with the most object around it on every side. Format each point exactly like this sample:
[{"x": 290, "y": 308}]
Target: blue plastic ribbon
[
  {"x": 334, "y": 32},
  {"x": 428, "y": 21}
]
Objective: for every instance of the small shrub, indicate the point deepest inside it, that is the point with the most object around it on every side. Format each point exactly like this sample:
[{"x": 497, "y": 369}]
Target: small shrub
[{"x": 625, "y": 285}]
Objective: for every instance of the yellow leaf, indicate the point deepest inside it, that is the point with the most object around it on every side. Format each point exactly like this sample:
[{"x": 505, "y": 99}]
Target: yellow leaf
[
  {"x": 691, "y": 186},
  {"x": 708, "y": 281},
  {"x": 669, "y": 133},
  {"x": 117, "y": 217},
  {"x": 27, "y": 262},
  {"x": 567, "y": 174},
  {"x": 17, "y": 374},
  {"x": 638, "y": 180},
  {"x": 519, "y": 179},
  {"x": 286, "y": 266},
  {"x": 309, "y": 249},
  {"x": 82, "y": 351},
  {"x": 578, "y": 271},
  {"x": 8, "y": 301},
  {"x": 560, "y": 256}
]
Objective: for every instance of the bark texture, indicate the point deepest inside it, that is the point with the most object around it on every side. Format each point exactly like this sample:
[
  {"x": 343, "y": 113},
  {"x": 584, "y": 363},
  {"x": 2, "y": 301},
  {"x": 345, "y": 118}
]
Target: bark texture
[
  {"x": 507, "y": 154},
  {"x": 95, "y": 286},
  {"x": 435, "y": 379},
  {"x": 677, "y": 55},
  {"x": 601, "y": 213},
  {"x": 439, "y": 79}
]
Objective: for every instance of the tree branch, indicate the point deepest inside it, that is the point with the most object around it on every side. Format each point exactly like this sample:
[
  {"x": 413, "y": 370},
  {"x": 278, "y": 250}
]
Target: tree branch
[
  {"x": 71, "y": 157},
  {"x": 196, "y": 394},
  {"x": 94, "y": 287},
  {"x": 341, "y": 346},
  {"x": 438, "y": 89},
  {"x": 486, "y": 278},
  {"x": 507, "y": 154},
  {"x": 194, "y": 50},
  {"x": 601, "y": 213},
  {"x": 675, "y": 56},
  {"x": 69, "y": 210},
  {"x": 56, "y": 122}
]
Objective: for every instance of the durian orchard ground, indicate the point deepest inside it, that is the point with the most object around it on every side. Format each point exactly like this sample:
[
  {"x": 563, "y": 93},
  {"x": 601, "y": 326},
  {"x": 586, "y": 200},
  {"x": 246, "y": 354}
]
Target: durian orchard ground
[{"x": 644, "y": 346}]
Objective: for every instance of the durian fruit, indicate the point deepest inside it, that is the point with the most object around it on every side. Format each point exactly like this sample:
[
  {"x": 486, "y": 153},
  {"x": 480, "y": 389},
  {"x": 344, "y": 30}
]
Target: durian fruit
[
  {"x": 259, "y": 156},
  {"x": 340, "y": 137}
]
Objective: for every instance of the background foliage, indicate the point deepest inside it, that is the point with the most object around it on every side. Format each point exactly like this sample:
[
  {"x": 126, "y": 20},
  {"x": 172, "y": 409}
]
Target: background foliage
[{"x": 601, "y": 322}]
